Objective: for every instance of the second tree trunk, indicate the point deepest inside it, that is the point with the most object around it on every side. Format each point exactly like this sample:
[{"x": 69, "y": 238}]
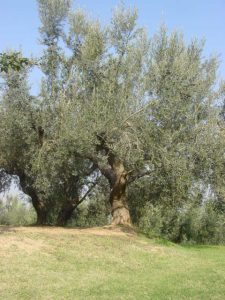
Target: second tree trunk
[{"x": 65, "y": 212}]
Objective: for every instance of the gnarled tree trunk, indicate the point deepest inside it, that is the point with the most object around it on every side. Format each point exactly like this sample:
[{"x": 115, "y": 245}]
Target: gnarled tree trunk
[
  {"x": 38, "y": 204},
  {"x": 118, "y": 180},
  {"x": 66, "y": 211},
  {"x": 118, "y": 197},
  {"x": 41, "y": 211}
]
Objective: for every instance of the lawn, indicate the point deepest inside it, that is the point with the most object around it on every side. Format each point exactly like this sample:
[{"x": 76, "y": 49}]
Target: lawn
[{"x": 105, "y": 263}]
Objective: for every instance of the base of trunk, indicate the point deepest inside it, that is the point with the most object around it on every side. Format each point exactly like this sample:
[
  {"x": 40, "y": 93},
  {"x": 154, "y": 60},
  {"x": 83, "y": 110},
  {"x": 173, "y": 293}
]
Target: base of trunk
[
  {"x": 66, "y": 213},
  {"x": 41, "y": 218},
  {"x": 120, "y": 215},
  {"x": 62, "y": 221}
]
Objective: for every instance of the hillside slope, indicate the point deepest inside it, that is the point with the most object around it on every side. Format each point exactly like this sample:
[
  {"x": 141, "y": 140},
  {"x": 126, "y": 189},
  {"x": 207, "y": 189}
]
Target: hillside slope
[{"x": 104, "y": 263}]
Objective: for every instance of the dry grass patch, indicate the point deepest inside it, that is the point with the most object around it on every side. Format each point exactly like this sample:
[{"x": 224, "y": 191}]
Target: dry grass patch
[{"x": 104, "y": 263}]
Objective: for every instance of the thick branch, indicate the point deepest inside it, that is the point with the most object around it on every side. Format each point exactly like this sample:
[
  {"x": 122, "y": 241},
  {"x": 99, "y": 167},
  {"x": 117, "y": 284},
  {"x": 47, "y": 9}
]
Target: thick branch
[{"x": 107, "y": 172}]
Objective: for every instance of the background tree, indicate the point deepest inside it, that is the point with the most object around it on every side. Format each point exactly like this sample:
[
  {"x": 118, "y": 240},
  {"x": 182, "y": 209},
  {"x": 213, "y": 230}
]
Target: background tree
[{"x": 20, "y": 135}]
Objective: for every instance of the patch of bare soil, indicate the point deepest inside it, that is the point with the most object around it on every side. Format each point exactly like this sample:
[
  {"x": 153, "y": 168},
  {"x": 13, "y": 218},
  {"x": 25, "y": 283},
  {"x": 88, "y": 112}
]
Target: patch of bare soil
[
  {"x": 25, "y": 245},
  {"x": 32, "y": 239},
  {"x": 103, "y": 231}
]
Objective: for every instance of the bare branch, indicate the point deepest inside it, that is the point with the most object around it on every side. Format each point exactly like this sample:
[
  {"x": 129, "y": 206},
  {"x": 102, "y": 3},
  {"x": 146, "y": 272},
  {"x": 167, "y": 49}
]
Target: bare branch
[{"x": 89, "y": 191}]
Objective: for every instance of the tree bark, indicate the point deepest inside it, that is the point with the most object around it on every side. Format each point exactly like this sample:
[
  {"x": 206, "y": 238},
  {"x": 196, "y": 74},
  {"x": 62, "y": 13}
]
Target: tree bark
[
  {"x": 66, "y": 211},
  {"x": 118, "y": 197},
  {"x": 42, "y": 214},
  {"x": 118, "y": 180},
  {"x": 38, "y": 204}
]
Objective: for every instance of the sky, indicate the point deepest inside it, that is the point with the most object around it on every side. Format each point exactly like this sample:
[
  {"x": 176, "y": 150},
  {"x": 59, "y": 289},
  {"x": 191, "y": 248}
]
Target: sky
[{"x": 19, "y": 23}]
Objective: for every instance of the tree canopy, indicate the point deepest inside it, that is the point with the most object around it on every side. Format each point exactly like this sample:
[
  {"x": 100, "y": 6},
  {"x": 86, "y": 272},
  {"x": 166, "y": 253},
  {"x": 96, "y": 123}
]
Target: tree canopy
[{"x": 114, "y": 106}]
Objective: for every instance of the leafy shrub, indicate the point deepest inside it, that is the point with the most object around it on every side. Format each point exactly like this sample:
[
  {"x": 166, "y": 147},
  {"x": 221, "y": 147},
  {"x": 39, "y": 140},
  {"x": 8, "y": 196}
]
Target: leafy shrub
[
  {"x": 94, "y": 212},
  {"x": 16, "y": 213},
  {"x": 189, "y": 224}
]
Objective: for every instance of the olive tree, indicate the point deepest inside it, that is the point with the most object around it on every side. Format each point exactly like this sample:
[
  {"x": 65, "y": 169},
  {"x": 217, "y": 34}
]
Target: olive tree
[
  {"x": 136, "y": 106},
  {"x": 114, "y": 102},
  {"x": 20, "y": 134}
]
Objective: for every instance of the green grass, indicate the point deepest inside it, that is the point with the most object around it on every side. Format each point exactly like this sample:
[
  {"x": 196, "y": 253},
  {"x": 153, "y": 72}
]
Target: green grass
[{"x": 51, "y": 263}]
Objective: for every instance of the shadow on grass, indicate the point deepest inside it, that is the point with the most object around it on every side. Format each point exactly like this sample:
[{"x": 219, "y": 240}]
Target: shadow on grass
[
  {"x": 7, "y": 229},
  {"x": 123, "y": 228},
  {"x": 127, "y": 230}
]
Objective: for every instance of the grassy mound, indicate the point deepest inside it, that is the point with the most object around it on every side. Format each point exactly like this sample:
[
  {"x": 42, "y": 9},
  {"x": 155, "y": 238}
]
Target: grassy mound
[{"x": 105, "y": 263}]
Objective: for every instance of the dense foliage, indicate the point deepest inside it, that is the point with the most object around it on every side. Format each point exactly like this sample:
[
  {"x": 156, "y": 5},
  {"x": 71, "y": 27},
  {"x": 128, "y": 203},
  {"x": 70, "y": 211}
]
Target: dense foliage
[
  {"x": 13, "y": 61},
  {"x": 118, "y": 113},
  {"x": 15, "y": 212}
]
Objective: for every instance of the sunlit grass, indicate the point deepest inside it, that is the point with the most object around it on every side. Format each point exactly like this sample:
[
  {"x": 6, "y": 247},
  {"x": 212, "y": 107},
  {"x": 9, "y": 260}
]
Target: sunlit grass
[{"x": 51, "y": 263}]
